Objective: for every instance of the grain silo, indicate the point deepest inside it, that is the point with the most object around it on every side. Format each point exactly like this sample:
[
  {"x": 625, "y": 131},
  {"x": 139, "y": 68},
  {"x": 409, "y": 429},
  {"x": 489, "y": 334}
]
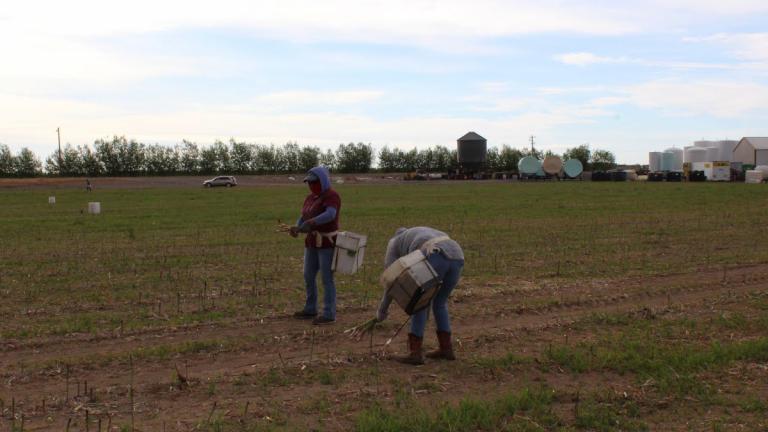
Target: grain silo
[{"x": 472, "y": 150}]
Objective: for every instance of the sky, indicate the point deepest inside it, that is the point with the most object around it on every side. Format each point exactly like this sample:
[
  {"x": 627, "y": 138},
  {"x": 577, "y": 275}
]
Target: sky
[{"x": 629, "y": 77}]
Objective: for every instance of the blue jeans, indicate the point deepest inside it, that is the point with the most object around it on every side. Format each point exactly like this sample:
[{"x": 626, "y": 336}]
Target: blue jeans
[
  {"x": 448, "y": 271},
  {"x": 319, "y": 260}
]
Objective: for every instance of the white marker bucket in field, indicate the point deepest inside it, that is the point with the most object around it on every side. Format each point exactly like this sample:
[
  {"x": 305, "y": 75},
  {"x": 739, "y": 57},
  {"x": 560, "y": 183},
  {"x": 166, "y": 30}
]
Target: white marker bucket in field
[
  {"x": 94, "y": 207},
  {"x": 51, "y": 200}
]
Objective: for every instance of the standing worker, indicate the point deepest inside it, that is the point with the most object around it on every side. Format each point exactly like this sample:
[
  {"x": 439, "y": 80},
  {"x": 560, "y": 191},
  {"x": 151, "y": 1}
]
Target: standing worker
[
  {"x": 447, "y": 258},
  {"x": 320, "y": 220}
]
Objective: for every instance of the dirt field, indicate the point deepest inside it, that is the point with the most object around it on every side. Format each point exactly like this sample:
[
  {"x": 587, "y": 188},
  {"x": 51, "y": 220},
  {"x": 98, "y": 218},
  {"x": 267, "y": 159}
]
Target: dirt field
[
  {"x": 180, "y": 181},
  {"x": 277, "y": 376},
  {"x": 627, "y": 349}
]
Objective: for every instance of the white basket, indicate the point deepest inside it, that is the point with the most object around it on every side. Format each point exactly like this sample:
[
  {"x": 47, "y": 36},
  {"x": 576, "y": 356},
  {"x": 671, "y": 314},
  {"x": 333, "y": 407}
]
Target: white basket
[
  {"x": 94, "y": 207},
  {"x": 349, "y": 252},
  {"x": 411, "y": 282}
]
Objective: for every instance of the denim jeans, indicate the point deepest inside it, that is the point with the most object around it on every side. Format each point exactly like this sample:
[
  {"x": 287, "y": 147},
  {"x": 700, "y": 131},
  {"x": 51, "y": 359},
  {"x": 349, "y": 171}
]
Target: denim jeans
[
  {"x": 448, "y": 271},
  {"x": 319, "y": 260}
]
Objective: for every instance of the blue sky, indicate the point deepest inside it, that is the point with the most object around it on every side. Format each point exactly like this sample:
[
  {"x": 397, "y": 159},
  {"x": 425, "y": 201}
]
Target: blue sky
[{"x": 630, "y": 78}]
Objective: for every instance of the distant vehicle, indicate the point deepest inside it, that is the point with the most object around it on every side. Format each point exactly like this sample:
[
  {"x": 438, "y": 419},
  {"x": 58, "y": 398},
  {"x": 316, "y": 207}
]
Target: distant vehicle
[{"x": 227, "y": 181}]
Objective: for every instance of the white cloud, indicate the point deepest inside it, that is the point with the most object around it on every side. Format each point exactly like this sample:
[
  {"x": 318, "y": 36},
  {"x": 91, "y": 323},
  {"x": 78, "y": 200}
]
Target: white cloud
[
  {"x": 32, "y": 122},
  {"x": 305, "y": 99},
  {"x": 745, "y": 46},
  {"x": 585, "y": 59},
  {"x": 725, "y": 99}
]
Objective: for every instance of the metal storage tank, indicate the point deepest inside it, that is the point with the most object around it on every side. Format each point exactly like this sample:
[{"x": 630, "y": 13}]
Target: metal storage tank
[
  {"x": 726, "y": 150},
  {"x": 552, "y": 165},
  {"x": 573, "y": 167},
  {"x": 654, "y": 161},
  {"x": 697, "y": 154},
  {"x": 712, "y": 153},
  {"x": 686, "y": 153},
  {"x": 666, "y": 161},
  {"x": 704, "y": 143},
  {"x": 675, "y": 159},
  {"x": 529, "y": 165},
  {"x": 472, "y": 150}
]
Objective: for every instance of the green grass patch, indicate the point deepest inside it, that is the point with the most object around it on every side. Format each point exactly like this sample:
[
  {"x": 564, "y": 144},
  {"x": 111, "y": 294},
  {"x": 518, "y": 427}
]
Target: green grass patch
[
  {"x": 193, "y": 255},
  {"x": 527, "y": 410}
]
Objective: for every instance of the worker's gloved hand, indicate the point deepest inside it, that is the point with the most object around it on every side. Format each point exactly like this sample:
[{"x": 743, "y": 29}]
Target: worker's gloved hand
[
  {"x": 305, "y": 227},
  {"x": 294, "y": 231},
  {"x": 381, "y": 316}
]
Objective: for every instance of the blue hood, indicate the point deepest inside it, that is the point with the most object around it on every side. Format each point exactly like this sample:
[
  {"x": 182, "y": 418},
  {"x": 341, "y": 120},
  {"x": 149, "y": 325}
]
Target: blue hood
[{"x": 324, "y": 175}]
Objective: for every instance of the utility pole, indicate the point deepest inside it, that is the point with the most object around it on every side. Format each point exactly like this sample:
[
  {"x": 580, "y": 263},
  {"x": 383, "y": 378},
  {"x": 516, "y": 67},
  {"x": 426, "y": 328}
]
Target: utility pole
[
  {"x": 58, "y": 133},
  {"x": 533, "y": 138}
]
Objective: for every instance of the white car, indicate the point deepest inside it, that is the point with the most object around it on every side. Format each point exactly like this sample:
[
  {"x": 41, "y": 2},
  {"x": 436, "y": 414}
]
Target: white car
[{"x": 227, "y": 181}]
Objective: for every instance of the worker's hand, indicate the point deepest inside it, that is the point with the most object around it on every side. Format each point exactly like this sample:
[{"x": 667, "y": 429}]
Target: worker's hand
[
  {"x": 294, "y": 231},
  {"x": 305, "y": 227}
]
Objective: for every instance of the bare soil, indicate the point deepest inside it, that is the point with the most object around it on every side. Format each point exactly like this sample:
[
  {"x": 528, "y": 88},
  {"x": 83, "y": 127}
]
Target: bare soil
[
  {"x": 278, "y": 370},
  {"x": 180, "y": 181}
]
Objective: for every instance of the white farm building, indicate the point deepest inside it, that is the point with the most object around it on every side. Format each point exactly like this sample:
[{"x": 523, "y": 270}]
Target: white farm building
[{"x": 752, "y": 151}]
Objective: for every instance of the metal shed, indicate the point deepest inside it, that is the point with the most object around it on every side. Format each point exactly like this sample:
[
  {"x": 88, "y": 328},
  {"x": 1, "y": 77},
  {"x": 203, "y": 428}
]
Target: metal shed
[{"x": 751, "y": 151}]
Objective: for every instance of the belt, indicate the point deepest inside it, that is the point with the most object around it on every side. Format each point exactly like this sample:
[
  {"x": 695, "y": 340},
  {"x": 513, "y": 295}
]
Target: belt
[{"x": 319, "y": 237}]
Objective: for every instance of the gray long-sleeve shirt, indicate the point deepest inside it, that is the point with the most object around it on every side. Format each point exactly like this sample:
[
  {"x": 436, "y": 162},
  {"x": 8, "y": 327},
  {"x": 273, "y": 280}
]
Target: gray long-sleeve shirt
[{"x": 407, "y": 240}]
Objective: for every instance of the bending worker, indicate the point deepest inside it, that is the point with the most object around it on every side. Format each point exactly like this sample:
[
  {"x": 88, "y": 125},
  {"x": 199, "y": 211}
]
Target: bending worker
[
  {"x": 320, "y": 220},
  {"x": 447, "y": 258}
]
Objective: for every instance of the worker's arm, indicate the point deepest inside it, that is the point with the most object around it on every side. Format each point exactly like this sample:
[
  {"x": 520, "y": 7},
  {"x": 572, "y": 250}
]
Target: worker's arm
[
  {"x": 381, "y": 313},
  {"x": 391, "y": 255},
  {"x": 327, "y": 216}
]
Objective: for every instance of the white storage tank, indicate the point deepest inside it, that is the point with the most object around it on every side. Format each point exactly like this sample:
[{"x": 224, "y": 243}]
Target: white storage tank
[
  {"x": 704, "y": 143},
  {"x": 713, "y": 153},
  {"x": 654, "y": 161},
  {"x": 726, "y": 150},
  {"x": 686, "y": 153},
  {"x": 676, "y": 159},
  {"x": 697, "y": 154}
]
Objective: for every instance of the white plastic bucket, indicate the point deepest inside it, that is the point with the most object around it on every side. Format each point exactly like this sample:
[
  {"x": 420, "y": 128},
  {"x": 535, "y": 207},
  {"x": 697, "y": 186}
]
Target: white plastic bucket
[
  {"x": 94, "y": 207},
  {"x": 349, "y": 252},
  {"x": 51, "y": 200}
]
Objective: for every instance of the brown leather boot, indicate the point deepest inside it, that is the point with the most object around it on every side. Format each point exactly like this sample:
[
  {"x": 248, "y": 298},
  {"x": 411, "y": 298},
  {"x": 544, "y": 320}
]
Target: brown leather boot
[
  {"x": 445, "y": 351},
  {"x": 416, "y": 356}
]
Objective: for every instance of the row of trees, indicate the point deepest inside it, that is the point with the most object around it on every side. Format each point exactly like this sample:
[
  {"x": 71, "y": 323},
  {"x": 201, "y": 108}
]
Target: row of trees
[{"x": 122, "y": 157}]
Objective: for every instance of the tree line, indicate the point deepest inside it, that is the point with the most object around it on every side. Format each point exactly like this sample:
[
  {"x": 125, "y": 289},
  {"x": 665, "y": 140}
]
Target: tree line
[{"x": 123, "y": 157}]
